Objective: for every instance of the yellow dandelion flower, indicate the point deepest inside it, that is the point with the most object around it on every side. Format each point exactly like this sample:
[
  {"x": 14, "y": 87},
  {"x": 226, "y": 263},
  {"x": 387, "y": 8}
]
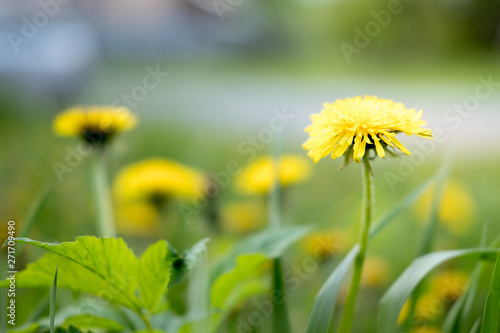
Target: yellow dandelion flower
[
  {"x": 429, "y": 306},
  {"x": 456, "y": 210},
  {"x": 375, "y": 272},
  {"x": 449, "y": 285},
  {"x": 94, "y": 124},
  {"x": 258, "y": 176},
  {"x": 354, "y": 125},
  {"x": 138, "y": 218},
  {"x": 243, "y": 217},
  {"x": 323, "y": 244},
  {"x": 156, "y": 180}
]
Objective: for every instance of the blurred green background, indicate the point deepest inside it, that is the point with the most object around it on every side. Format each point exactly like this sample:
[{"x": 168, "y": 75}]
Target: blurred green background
[{"x": 227, "y": 72}]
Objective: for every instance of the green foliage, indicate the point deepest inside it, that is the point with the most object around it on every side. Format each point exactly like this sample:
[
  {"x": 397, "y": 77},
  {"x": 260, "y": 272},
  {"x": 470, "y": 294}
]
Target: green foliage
[
  {"x": 246, "y": 265},
  {"x": 270, "y": 243},
  {"x": 106, "y": 267},
  {"x": 53, "y": 299},
  {"x": 394, "y": 299},
  {"x": 155, "y": 267},
  {"x": 324, "y": 305},
  {"x": 492, "y": 306}
]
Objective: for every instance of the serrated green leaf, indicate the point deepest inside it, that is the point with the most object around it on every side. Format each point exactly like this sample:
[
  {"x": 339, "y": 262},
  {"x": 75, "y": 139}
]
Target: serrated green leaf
[
  {"x": 393, "y": 300},
  {"x": 155, "y": 265},
  {"x": 101, "y": 266}
]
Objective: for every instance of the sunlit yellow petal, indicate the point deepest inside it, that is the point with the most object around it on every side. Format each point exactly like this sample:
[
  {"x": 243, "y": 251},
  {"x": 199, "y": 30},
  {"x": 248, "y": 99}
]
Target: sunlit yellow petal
[{"x": 358, "y": 122}]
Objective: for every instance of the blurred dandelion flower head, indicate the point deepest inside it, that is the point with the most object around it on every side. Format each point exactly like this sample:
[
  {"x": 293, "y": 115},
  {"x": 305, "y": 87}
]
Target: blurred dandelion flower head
[
  {"x": 94, "y": 124},
  {"x": 137, "y": 218},
  {"x": 258, "y": 176},
  {"x": 156, "y": 180},
  {"x": 353, "y": 125},
  {"x": 243, "y": 216},
  {"x": 375, "y": 272},
  {"x": 449, "y": 285},
  {"x": 456, "y": 210},
  {"x": 429, "y": 306},
  {"x": 322, "y": 244}
]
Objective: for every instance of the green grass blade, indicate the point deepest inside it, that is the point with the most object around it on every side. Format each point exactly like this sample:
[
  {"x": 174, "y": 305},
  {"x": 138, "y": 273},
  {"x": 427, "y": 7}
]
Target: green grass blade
[
  {"x": 430, "y": 230},
  {"x": 324, "y": 304},
  {"x": 53, "y": 297},
  {"x": 393, "y": 300},
  {"x": 32, "y": 213},
  {"x": 492, "y": 307},
  {"x": 476, "y": 326},
  {"x": 462, "y": 307}
]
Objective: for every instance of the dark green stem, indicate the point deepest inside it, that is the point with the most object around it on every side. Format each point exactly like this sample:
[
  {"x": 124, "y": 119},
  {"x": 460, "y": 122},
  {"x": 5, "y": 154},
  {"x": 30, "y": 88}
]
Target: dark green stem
[
  {"x": 281, "y": 322},
  {"x": 368, "y": 194}
]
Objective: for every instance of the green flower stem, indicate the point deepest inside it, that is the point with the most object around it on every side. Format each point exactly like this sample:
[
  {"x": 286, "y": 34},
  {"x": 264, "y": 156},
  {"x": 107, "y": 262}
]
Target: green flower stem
[
  {"x": 102, "y": 199},
  {"x": 145, "y": 320},
  {"x": 281, "y": 322},
  {"x": 368, "y": 194}
]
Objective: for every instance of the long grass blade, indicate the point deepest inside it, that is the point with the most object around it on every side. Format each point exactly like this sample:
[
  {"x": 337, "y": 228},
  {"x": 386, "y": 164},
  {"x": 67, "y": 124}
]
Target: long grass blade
[
  {"x": 32, "y": 213},
  {"x": 53, "y": 297},
  {"x": 492, "y": 307},
  {"x": 461, "y": 308},
  {"x": 393, "y": 300},
  {"x": 324, "y": 304}
]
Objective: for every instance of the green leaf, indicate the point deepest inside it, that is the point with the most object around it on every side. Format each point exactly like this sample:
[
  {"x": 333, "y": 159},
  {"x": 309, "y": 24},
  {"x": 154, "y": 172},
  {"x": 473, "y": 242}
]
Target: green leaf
[
  {"x": 155, "y": 265},
  {"x": 460, "y": 310},
  {"x": 269, "y": 243},
  {"x": 492, "y": 307},
  {"x": 246, "y": 265},
  {"x": 100, "y": 266},
  {"x": 183, "y": 264},
  {"x": 91, "y": 321},
  {"x": 393, "y": 300},
  {"x": 324, "y": 304}
]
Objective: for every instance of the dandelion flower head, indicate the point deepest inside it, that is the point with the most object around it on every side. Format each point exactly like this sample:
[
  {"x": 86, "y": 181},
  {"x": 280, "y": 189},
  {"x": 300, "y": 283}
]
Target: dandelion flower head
[{"x": 353, "y": 125}]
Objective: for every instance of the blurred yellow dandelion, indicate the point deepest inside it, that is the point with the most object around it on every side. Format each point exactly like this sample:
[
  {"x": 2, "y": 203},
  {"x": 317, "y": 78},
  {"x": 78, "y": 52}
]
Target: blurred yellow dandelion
[
  {"x": 375, "y": 272},
  {"x": 354, "y": 125},
  {"x": 429, "y": 306},
  {"x": 322, "y": 244},
  {"x": 243, "y": 216},
  {"x": 449, "y": 285},
  {"x": 137, "y": 218},
  {"x": 456, "y": 210},
  {"x": 94, "y": 124},
  {"x": 156, "y": 180},
  {"x": 258, "y": 176}
]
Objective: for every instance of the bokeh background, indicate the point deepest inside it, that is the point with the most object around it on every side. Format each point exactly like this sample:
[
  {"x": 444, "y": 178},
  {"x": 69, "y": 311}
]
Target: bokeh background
[{"x": 231, "y": 65}]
